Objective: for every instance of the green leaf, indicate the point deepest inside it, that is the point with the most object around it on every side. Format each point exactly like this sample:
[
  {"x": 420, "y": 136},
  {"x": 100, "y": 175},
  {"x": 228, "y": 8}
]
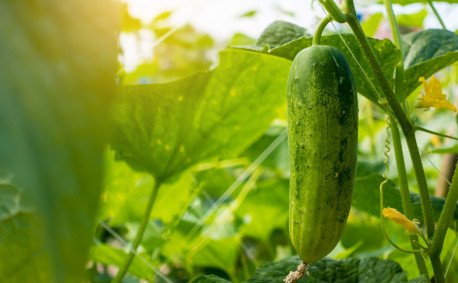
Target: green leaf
[
  {"x": 279, "y": 33},
  {"x": 385, "y": 52},
  {"x": 366, "y": 197},
  {"x": 165, "y": 128},
  {"x": 426, "y": 53},
  {"x": 107, "y": 254},
  {"x": 209, "y": 279},
  {"x": 370, "y": 25},
  {"x": 57, "y": 82},
  {"x": 268, "y": 201},
  {"x": 412, "y": 20},
  {"x": 370, "y": 269},
  {"x": 26, "y": 260},
  {"x": 421, "y": 279},
  {"x": 126, "y": 194}
]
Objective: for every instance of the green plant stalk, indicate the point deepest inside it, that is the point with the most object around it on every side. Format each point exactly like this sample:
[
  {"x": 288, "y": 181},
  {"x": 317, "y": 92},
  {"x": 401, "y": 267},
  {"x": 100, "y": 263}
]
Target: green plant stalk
[
  {"x": 319, "y": 30},
  {"x": 138, "y": 238},
  {"x": 418, "y": 128},
  {"x": 430, "y": 2},
  {"x": 334, "y": 11},
  {"x": 405, "y": 195},
  {"x": 446, "y": 216},
  {"x": 398, "y": 112},
  {"x": 393, "y": 24},
  {"x": 407, "y": 129}
]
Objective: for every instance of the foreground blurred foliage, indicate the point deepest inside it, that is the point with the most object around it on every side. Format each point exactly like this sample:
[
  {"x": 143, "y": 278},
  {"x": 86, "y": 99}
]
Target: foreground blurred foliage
[{"x": 212, "y": 134}]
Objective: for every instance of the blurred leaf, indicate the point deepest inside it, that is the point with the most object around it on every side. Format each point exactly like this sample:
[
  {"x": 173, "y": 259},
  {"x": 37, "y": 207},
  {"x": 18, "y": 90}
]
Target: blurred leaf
[
  {"x": 421, "y": 279},
  {"x": 366, "y": 197},
  {"x": 129, "y": 23},
  {"x": 426, "y": 53},
  {"x": 209, "y": 279},
  {"x": 109, "y": 255},
  {"x": 241, "y": 39},
  {"x": 219, "y": 253},
  {"x": 165, "y": 128},
  {"x": 412, "y": 20},
  {"x": 266, "y": 208},
  {"x": 452, "y": 149},
  {"x": 402, "y": 2},
  {"x": 385, "y": 52},
  {"x": 371, "y": 24},
  {"x": 369, "y": 269},
  {"x": 127, "y": 191},
  {"x": 57, "y": 83},
  {"x": 163, "y": 16},
  {"x": 408, "y": 2},
  {"x": 27, "y": 262},
  {"x": 249, "y": 14},
  {"x": 370, "y": 234},
  {"x": 279, "y": 33}
]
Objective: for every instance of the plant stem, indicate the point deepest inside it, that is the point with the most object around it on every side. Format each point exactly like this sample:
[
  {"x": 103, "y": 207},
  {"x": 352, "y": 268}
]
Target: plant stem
[
  {"x": 334, "y": 11},
  {"x": 405, "y": 194},
  {"x": 417, "y": 128},
  {"x": 430, "y": 2},
  {"x": 407, "y": 129},
  {"x": 446, "y": 217},
  {"x": 319, "y": 30},
  {"x": 398, "y": 112},
  {"x": 393, "y": 24},
  {"x": 138, "y": 238}
]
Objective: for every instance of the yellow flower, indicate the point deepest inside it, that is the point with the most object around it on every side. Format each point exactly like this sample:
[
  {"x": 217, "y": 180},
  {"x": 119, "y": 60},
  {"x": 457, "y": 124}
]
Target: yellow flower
[
  {"x": 400, "y": 218},
  {"x": 434, "y": 96}
]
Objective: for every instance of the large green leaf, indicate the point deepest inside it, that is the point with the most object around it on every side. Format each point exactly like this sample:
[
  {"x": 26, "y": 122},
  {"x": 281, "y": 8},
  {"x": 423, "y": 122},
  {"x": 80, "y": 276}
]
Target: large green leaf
[
  {"x": 366, "y": 197},
  {"x": 370, "y": 269},
  {"x": 26, "y": 260},
  {"x": 58, "y": 62},
  {"x": 385, "y": 52},
  {"x": 426, "y": 53},
  {"x": 166, "y": 128}
]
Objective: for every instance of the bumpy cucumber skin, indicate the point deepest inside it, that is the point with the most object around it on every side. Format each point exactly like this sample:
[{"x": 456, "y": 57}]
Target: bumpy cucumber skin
[{"x": 322, "y": 140}]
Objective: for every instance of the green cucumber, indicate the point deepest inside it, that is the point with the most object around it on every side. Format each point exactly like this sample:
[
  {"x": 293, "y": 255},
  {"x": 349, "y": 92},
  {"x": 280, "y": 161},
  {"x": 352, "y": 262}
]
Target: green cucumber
[{"x": 322, "y": 140}]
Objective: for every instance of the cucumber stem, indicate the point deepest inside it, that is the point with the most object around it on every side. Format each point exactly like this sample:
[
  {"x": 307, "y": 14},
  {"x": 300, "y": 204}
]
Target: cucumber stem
[
  {"x": 319, "y": 30},
  {"x": 138, "y": 238}
]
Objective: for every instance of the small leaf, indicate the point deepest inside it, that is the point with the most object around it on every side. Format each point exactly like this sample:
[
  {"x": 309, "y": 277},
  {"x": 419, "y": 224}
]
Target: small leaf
[
  {"x": 279, "y": 33},
  {"x": 107, "y": 254}
]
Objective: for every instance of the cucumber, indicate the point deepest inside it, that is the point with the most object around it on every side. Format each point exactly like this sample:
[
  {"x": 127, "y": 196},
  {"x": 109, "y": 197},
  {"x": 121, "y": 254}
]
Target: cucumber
[{"x": 322, "y": 140}]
